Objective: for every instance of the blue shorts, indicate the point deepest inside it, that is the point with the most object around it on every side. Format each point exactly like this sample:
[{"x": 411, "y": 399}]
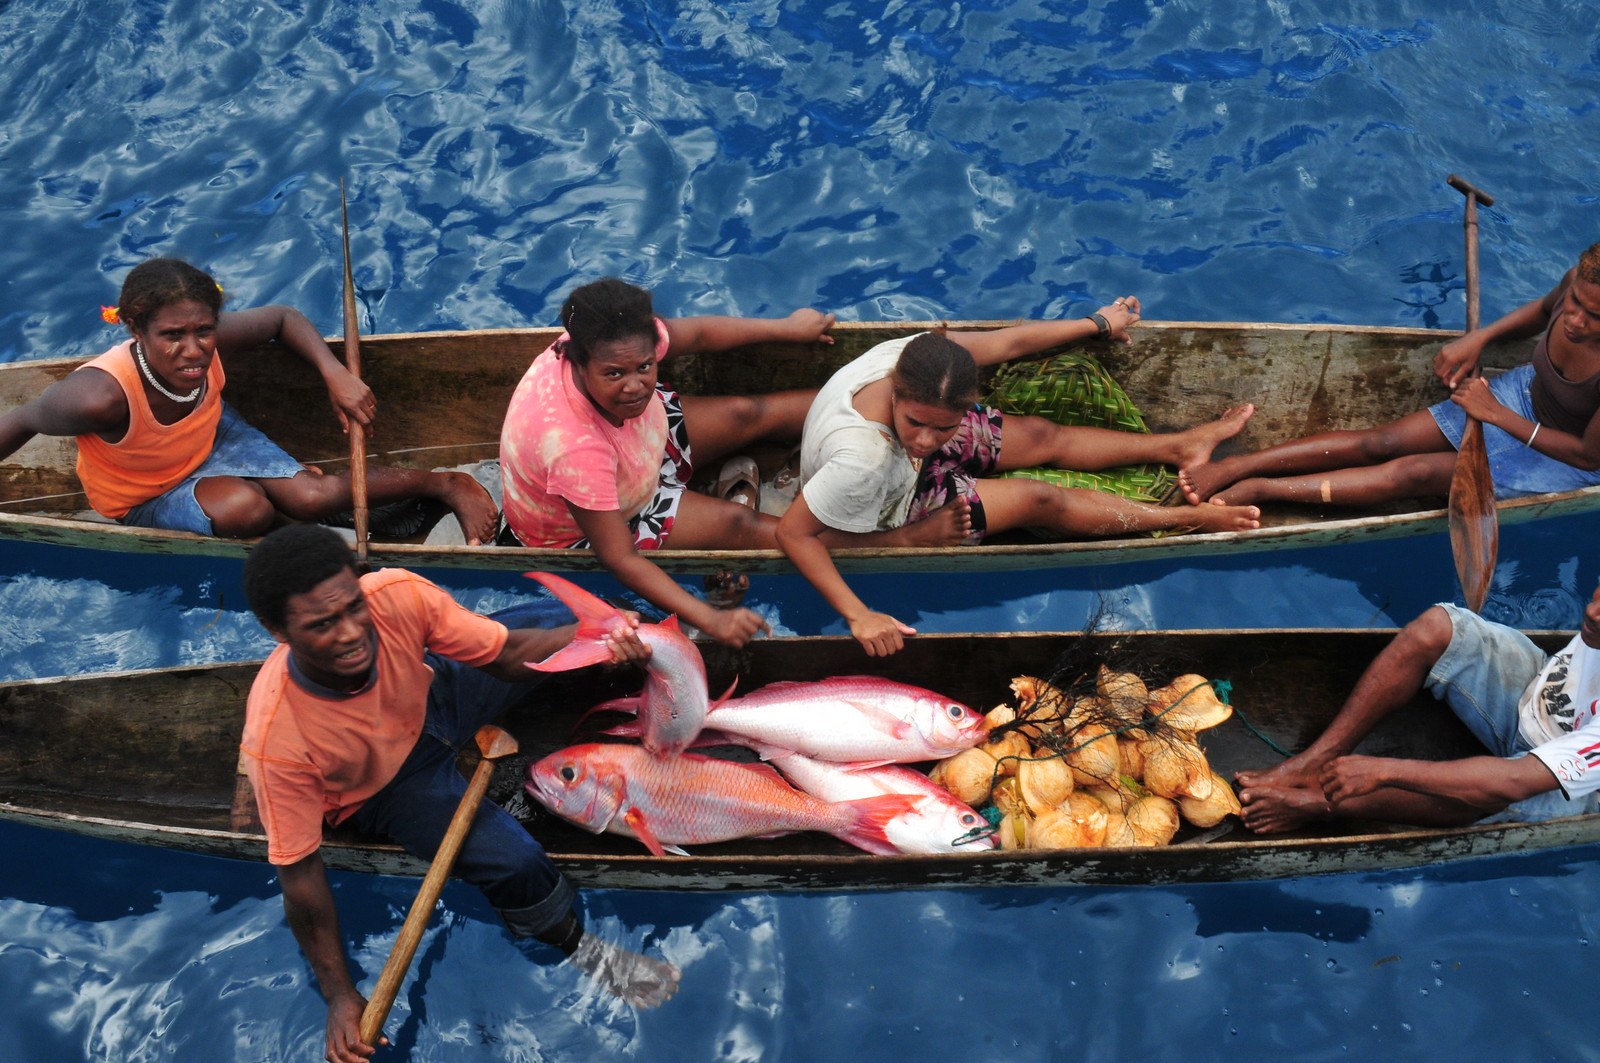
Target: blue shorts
[
  {"x": 1517, "y": 469},
  {"x": 1481, "y": 675},
  {"x": 239, "y": 450}
]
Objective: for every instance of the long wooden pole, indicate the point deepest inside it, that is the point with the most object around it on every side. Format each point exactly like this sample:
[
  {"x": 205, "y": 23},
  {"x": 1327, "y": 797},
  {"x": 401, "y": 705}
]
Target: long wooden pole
[
  {"x": 352, "y": 362},
  {"x": 494, "y": 744},
  {"x": 1474, "y": 522}
]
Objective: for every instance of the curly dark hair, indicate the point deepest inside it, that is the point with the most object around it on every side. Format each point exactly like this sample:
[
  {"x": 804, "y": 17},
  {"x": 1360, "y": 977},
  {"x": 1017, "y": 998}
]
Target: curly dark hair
[
  {"x": 291, "y": 560},
  {"x": 936, "y": 370},
  {"x": 1589, "y": 264},
  {"x": 603, "y": 311},
  {"x": 161, "y": 282}
]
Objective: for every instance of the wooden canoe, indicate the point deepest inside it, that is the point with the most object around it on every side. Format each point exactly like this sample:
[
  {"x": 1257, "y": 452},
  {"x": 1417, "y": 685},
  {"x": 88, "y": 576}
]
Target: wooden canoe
[
  {"x": 442, "y": 397},
  {"x": 150, "y": 757}
]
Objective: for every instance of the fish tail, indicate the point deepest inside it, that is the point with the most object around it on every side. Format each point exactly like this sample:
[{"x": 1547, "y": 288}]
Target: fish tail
[
  {"x": 869, "y": 819},
  {"x": 596, "y": 620}
]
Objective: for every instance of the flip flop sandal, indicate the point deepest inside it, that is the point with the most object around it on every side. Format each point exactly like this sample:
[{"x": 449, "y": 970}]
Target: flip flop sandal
[{"x": 739, "y": 481}]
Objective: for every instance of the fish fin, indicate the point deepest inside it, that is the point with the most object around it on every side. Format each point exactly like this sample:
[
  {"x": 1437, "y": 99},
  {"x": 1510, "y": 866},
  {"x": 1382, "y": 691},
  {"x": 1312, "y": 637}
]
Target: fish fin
[
  {"x": 641, "y": 828},
  {"x": 871, "y": 817},
  {"x": 677, "y": 850},
  {"x": 596, "y": 620},
  {"x": 628, "y": 705},
  {"x": 627, "y": 729},
  {"x": 726, "y": 694},
  {"x": 882, "y": 719},
  {"x": 671, "y": 623}
]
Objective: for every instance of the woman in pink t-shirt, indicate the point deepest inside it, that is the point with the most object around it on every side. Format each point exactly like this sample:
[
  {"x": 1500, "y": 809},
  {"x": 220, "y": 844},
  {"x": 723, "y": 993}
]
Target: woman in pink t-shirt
[{"x": 594, "y": 453}]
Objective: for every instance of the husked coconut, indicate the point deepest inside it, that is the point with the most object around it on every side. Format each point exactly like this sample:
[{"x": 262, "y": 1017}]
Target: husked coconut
[{"x": 1188, "y": 703}]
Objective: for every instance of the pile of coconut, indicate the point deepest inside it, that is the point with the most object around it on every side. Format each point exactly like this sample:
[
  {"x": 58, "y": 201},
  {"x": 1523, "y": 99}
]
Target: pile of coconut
[{"x": 1118, "y": 765}]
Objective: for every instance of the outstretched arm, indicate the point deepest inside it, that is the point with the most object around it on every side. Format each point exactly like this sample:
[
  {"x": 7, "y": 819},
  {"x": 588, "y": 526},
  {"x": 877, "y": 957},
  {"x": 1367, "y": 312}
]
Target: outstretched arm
[
  {"x": 799, "y": 535},
  {"x": 308, "y": 906},
  {"x": 1003, "y": 345},
  {"x": 80, "y": 403},
  {"x": 530, "y": 645},
  {"x": 1459, "y": 357},
  {"x": 352, "y": 400},
  {"x": 1486, "y": 783},
  {"x": 696, "y": 335},
  {"x": 613, "y": 544}
]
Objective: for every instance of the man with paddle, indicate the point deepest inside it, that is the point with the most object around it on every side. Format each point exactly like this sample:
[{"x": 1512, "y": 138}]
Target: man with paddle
[
  {"x": 356, "y": 718},
  {"x": 1535, "y": 715},
  {"x": 1539, "y": 421}
]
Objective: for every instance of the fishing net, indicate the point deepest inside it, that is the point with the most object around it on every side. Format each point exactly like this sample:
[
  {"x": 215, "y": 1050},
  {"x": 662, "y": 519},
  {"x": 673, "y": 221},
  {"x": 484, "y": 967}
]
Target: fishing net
[{"x": 1072, "y": 388}]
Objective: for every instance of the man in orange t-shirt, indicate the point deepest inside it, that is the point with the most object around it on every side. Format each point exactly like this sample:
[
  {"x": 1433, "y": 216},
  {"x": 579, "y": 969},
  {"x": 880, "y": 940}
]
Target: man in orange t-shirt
[{"x": 356, "y": 718}]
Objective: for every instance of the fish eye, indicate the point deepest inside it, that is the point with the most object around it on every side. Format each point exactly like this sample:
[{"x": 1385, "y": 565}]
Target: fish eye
[
  {"x": 955, "y": 711},
  {"x": 568, "y": 773},
  {"x": 969, "y": 818}
]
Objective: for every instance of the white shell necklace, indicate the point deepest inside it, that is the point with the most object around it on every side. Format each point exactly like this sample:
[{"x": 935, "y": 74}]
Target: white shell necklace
[{"x": 150, "y": 378}]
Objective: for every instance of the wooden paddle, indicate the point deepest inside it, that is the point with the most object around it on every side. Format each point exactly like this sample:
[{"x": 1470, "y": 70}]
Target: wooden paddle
[
  {"x": 352, "y": 362},
  {"x": 1474, "y": 525},
  {"x": 494, "y": 744}
]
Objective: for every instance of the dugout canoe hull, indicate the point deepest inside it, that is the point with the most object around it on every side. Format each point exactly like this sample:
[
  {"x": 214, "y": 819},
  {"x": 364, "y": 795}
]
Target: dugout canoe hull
[
  {"x": 150, "y": 757},
  {"x": 442, "y": 397}
]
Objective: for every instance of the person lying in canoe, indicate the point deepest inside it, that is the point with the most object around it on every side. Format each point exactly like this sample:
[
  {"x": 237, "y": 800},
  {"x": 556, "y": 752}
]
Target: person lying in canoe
[
  {"x": 897, "y": 437},
  {"x": 357, "y": 717},
  {"x": 1534, "y": 714},
  {"x": 596, "y": 453},
  {"x": 159, "y": 448},
  {"x": 1539, "y": 423}
]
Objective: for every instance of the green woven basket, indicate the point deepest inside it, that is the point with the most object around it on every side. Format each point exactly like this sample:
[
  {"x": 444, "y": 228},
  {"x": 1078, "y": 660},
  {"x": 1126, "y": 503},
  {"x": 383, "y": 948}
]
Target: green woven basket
[{"x": 1072, "y": 388}]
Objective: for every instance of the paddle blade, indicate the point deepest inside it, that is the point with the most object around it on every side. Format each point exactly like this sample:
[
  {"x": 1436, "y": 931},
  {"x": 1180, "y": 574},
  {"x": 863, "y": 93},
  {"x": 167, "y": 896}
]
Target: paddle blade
[{"x": 1474, "y": 524}]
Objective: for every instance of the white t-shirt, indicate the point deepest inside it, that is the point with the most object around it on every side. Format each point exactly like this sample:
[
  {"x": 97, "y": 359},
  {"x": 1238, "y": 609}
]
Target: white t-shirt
[
  {"x": 1555, "y": 714},
  {"x": 854, "y": 474}
]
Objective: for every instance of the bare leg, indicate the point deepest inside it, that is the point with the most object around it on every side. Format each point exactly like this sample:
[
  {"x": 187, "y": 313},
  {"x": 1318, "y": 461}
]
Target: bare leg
[
  {"x": 237, "y": 507},
  {"x": 1415, "y": 476},
  {"x": 1415, "y": 433},
  {"x": 310, "y": 496},
  {"x": 1019, "y": 503},
  {"x": 1276, "y": 809},
  {"x": 1029, "y": 441},
  {"x": 706, "y": 523},
  {"x": 1389, "y": 683},
  {"x": 719, "y": 425}
]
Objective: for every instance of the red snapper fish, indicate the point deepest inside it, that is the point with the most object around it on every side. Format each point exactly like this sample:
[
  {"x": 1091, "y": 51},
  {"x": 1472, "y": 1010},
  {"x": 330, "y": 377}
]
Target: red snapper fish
[
  {"x": 667, "y": 802},
  {"x": 673, "y": 707},
  {"x": 937, "y": 822},
  {"x": 851, "y": 719}
]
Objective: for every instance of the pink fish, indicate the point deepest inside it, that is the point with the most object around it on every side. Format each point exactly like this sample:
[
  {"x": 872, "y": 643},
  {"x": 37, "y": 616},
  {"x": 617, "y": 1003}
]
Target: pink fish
[
  {"x": 851, "y": 719},
  {"x": 667, "y": 802},
  {"x": 673, "y": 707},
  {"x": 937, "y": 823}
]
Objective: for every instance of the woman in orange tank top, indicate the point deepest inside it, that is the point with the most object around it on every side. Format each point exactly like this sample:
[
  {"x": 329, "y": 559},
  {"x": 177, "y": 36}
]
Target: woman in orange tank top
[{"x": 158, "y": 447}]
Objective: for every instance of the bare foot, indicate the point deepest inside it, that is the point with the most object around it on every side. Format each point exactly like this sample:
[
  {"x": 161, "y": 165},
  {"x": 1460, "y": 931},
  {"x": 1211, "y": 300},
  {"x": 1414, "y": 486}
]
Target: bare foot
[
  {"x": 1296, "y": 771},
  {"x": 471, "y": 503},
  {"x": 634, "y": 978},
  {"x": 1275, "y": 809},
  {"x": 1202, "y": 479},
  {"x": 1250, "y": 491},
  {"x": 1194, "y": 446},
  {"x": 949, "y": 525},
  {"x": 1220, "y": 517}
]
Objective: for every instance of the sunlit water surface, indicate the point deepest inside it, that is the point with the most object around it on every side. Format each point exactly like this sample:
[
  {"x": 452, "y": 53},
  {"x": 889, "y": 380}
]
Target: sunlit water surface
[{"x": 1241, "y": 161}]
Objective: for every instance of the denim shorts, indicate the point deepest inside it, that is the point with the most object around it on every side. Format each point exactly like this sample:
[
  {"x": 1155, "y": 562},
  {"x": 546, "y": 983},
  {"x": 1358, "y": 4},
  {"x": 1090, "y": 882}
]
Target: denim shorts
[
  {"x": 1516, "y": 469},
  {"x": 1481, "y": 675},
  {"x": 239, "y": 450}
]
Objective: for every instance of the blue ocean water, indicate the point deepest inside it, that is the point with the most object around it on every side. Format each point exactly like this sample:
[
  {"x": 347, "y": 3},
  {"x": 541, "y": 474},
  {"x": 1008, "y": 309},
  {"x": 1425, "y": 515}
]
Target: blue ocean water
[{"x": 1224, "y": 161}]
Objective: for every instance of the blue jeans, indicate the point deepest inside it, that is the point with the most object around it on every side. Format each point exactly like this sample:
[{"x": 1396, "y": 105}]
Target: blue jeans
[{"x": 414, "y": 809}]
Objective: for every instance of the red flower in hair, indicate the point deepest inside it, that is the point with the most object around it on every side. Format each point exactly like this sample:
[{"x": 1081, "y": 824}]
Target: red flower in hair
[{"x": 108, "y": 314}]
